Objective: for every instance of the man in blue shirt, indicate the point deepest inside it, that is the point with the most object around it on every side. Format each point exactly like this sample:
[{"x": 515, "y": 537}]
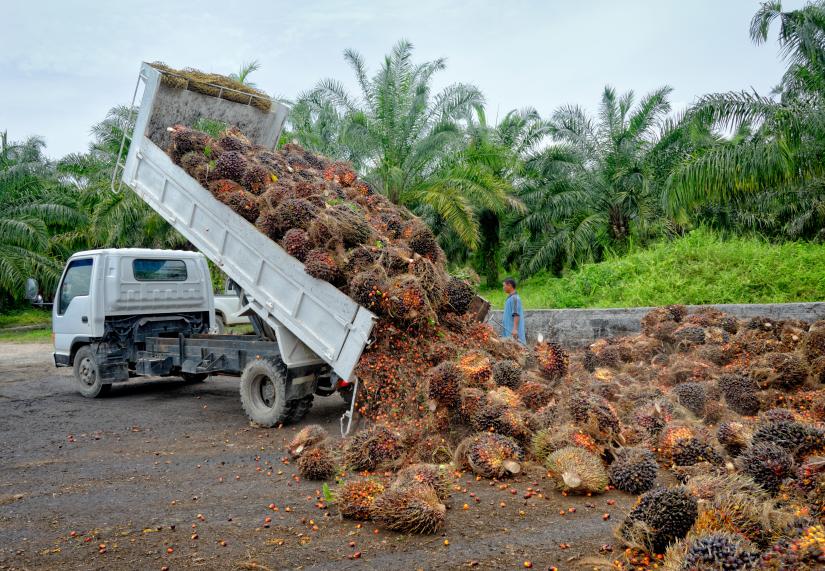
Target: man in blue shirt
[{"x": 513, "y": 322}]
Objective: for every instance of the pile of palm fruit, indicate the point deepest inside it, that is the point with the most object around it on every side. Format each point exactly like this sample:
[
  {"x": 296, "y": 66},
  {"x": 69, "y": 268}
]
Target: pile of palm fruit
[{"x": 715, "y": 423}]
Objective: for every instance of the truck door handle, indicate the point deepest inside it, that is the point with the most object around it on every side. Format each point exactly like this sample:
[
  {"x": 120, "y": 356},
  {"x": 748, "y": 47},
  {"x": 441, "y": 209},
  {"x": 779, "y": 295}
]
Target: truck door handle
[{"x": 84, "y": 319}]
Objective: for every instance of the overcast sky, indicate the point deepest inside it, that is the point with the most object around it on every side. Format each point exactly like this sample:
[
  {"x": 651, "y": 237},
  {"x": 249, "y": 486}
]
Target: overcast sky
[{"x": 63, "y": 64}]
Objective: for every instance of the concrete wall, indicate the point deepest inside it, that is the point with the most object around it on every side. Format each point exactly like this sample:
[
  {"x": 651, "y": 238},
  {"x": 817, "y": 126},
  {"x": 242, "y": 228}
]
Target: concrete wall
[{"x": 575, "y": 327}]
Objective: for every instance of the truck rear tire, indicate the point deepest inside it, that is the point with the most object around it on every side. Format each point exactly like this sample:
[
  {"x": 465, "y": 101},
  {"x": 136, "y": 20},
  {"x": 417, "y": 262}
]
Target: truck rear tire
[
  {"x": 86, "y": 374},
  {"x": 263, "y": 392},
  {"x": 299, "y": 408}
]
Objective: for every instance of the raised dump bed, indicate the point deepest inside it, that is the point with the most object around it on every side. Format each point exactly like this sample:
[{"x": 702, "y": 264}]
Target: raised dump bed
[{"x": 311, "y": 320}]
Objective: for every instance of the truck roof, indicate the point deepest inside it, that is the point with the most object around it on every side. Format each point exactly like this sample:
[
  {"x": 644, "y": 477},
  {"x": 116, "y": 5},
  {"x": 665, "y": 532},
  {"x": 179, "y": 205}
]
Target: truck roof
[{"x": 139, "y": 252}]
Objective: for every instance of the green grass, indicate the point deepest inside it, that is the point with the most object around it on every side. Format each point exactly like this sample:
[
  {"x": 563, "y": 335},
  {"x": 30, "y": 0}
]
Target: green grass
[
  {"x": 28, "y": 316},
  {"x": 700, "y": 268},
  {"x": 31, "y": 336}
]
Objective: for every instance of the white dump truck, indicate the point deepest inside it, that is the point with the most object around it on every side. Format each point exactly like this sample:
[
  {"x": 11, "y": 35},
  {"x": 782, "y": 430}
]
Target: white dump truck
[{"x": 122, "y": 313}]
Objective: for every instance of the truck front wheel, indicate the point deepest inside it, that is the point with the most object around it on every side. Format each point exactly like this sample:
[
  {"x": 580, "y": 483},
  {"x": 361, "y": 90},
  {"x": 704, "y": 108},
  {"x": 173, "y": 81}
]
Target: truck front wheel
[
  {"x": 263, "y": 392},
  {"x": 86, "y": 374}
]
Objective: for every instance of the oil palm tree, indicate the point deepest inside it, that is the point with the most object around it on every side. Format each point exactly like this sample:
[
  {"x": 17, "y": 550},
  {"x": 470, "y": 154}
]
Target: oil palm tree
[
  {"x": 32, "y": 210},
  {"x": 406, "y": 140},
  {"x": 500, "y": 151},
  {"x": 116, "y": 219},
  {"x": 246, "y": 69},
  {"x": 785, "y": 151},
  {"x": 596, "y": 186}
]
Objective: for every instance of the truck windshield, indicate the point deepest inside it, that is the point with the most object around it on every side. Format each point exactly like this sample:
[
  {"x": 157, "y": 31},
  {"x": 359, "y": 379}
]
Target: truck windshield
[
  {"x": 159, "y": 270},
  {"x": 76, "y": 282}
]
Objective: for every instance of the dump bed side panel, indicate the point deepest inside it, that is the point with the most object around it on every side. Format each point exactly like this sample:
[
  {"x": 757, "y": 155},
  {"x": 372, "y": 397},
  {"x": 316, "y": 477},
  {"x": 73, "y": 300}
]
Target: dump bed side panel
[{"x": 325, "y": 323}]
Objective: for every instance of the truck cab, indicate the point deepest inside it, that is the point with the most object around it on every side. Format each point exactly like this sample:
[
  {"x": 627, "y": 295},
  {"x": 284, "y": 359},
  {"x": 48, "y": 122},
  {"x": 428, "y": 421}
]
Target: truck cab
[{"x": 109, "y": 301}]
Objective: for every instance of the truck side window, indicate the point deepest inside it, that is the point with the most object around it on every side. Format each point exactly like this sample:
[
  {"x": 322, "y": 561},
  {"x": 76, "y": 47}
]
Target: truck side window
[
  {"x": 76, "y": 282},
  {"x": 159, "y": 270}
]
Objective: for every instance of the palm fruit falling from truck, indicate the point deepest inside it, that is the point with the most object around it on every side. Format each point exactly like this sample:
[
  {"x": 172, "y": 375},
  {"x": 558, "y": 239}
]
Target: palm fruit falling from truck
[{"x": 441, "y": 388}]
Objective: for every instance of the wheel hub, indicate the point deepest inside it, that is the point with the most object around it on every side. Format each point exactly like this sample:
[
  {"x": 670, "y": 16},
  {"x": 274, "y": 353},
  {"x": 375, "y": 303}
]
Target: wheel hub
[
  {"x": 87, "y": 372},
  {"x": 267, "y": 391}
]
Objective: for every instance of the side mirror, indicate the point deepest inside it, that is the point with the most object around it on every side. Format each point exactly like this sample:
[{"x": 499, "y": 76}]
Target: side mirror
[{"x": 32, "y": 289}]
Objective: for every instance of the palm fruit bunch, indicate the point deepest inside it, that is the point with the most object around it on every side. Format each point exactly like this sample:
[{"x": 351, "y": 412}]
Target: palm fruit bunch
[
  {"x": 720, "y": 552},
  {"x": 692, "y": 396},
  {"x": 814, "y": 345},
  {"x": 406, "y": 301},
  {"x": 734, "y": 437},
  {"x": 231, "y": 165},
  {"x": 690, "y": 451},
  {"x": 424, "y": 243},
  {"x": 186, "y": 140},
  {"x": 780, "y": 370},
  {"x": 233, "y": 195},
  {"x": 660, "y": 517},
  {"x": 323, "y": 231},
  {"x": 577, "y": 470},
  {"x": 307, "y": 437},
  {"x": 672, "y": 434},
  {"x": 276, "y": 222},
  {"x": 317, "y": 463},
  {"x": 395, "y": 260},
  {"x": 807, "y": 491},
  {"x": 296, "y": 243},
  {"x": 740, "y": 393},
  {"x": 767, "y": 464},
  {"x": 359, "y": 259},
  {"x": 233, "y": 140},
  {"x": 375, "y": 447},
  {"x": 512, "y": 422},
  {"x": 804, "y": 550},
  {"x": 708, "y": 487},
  {"x": 507, "y": 373},
  {"x": 543, "y": 417},
  {"x": 752, "y": 515},
  {"x": 340, "y": 173},
  {"x": 634, "y": 470},
  {"x": 256, "y": 178},
  {"x": 476, "y": 368},
  {"x": 653, "y": 416},
  {"x": 502, "y": 396},
  {"x": 368, "y": 288},
  {"x": 391, "y": 224},
  {"x": 435, "y": 476},
  {"x": 659, "y": 323},
  {"x": 430, "y": 278},
  {"x": 492, "y": 455},
  {"x": 486, "y": 416},
  {"x": 321, "y": 264},
  {"x": 409, "y": 509},
  {"x": 444, "y": 385},
  {"x": 794, "y": 437},
  {"x": 355, "y": 498},
  {"x": 688, "y": 335},
  {"x": 472, "y": 401},
  {"x": 549, "y": 440},
  {"x": 351, "y": 225},
  {"x": 551, "y": 359},
  {"x": 595, "y": 415},
  {"x": 589, "y": 360},
  {"x": 777, "y": 414},
  {"x": 196, "y": 165},
  {"x": 535, "y": 395},
  {"x": 459, "y": 295}
]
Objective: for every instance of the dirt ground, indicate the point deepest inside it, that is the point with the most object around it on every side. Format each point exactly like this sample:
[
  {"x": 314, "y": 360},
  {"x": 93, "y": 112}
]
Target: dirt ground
[{"x": 168, "y": 475}]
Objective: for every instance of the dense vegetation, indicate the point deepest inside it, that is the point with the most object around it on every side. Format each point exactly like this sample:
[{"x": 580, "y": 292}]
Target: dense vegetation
[
  {"x": 529, "y": 195},
  {"x": 699, "y": 268}
]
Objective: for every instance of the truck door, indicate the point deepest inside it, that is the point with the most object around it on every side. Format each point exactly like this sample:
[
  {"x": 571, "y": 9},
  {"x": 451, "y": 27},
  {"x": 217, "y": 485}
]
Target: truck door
[{"x": 71, "y": 316}]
